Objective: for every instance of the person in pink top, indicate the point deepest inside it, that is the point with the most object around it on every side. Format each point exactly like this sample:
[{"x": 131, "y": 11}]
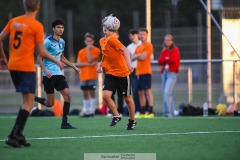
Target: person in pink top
[{"x": 169, "y": 59}]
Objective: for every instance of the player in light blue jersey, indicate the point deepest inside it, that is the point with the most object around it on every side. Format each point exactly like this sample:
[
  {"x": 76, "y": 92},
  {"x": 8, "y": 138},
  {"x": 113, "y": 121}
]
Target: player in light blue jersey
[
  {"x": 55, "y": 48},
  {"x": 53, "y": 77}
]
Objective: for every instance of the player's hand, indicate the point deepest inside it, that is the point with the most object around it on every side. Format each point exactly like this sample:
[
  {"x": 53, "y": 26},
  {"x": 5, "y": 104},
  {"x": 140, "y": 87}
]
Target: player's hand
[
  {"x": 48, "y": 74},
  {"x": 3, "y": 64},
  {"x": 142, "y": 57},
  {"x": 130, "y": 68},
  {"x": 99, "y": 70},
  {"x": 77, "y": 70},
  {"x": 92, "y": 64},
  {"x": 89, "y": 46},
  {"x": 61, "y": 64}
]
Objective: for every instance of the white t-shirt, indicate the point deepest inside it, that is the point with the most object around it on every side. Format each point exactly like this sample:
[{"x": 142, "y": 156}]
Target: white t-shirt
[{"x": 132, "y": 47}]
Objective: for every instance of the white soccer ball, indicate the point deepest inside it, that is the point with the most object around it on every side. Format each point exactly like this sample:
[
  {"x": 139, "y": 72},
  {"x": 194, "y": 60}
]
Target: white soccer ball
[{"x": 111, "y": 23}]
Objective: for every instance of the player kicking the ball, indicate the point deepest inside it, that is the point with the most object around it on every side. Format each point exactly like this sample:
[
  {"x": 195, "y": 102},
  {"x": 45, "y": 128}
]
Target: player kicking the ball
[
  {"x": 52, "y": 74},
  {"x": 116, "y": 65}
]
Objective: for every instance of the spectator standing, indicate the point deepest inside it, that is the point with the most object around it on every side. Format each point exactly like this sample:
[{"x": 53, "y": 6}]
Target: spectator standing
[
  {"x": 87, "y": 61},
  {"x": 143, "y": 54},
  {"x": 169, "y": 59},
  {"x": 133, "y": 36}
]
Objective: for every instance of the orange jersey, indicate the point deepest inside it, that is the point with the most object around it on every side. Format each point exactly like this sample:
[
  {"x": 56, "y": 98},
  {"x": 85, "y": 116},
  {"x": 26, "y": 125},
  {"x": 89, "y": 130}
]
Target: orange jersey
[
  {"x": 113, "y": 60},
  {"x": 24, "y": 32},
  {"x": 144, "y": 67},
  {"x": 88, "y": 72}
]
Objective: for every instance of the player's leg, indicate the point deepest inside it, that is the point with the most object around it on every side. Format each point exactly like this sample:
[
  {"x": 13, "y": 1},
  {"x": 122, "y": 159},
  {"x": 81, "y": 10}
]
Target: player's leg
[
  {"x": 142, "y": 99},
  {"x": 131, "y": 109},
  {"x": 66, "y": 107},
  {"x": 110, "y": 86},
  {"x": 50, "y": 100},
  {"x": 86, "y": 102},
  {"x": 49, "y": 84},
  {"x": 24, "y": 82},
  {"x": 149, "y": 95},
  {"x": 120, "y": 102},
  {"x": 135, "y": 92},
  {"x": 93, "y": 101},
  {"x": 125, "y": 89},
  {"x": 61, "y": 85},
  {"x": 142, "y": 95},
  {"x": 86, "y": 99},
  {"x": 110, "y": 103}
]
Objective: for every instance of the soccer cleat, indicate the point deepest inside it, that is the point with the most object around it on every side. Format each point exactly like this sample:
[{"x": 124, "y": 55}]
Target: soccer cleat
[
  {"x": 140, "y": 116},
  {"x": 13, "y": 142},
  {"x": 67, "y": 126},
  {"x": 151, "y": 115},
  {"x": 131, "y": 124},
  {"x": 115, "y": 120},
  {"x": 22, "y": 141}
]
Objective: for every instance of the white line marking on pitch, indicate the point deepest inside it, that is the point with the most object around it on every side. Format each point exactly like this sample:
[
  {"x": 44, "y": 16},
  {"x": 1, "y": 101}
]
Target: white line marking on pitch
[{"x": 130, "y": 135}]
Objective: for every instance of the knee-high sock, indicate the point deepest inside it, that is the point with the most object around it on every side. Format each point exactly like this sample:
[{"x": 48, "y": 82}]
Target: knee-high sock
[
  {"x": 66, "y": 107},
  {"x": 93, "y": 105},
  {"x": 20, "y": 123}
]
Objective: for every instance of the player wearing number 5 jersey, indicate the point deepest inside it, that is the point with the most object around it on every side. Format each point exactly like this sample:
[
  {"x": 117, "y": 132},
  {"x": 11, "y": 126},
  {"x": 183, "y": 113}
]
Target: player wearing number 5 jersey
[{"x": 25, "y": 33}]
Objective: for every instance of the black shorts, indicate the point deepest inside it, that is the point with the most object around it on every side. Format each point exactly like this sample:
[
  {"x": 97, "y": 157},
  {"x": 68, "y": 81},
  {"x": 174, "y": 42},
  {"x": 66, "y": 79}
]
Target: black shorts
[
  {"x": 88, "y": 85},
  {"x": 24, "y": 82},
  {"x": 144, "y": 81},
  {"x": 58, "y": 82},
  {"x": 113, "y": 83}
]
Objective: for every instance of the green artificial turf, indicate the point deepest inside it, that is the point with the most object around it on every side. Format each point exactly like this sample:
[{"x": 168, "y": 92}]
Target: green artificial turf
[{"x": 183, "y": 138}]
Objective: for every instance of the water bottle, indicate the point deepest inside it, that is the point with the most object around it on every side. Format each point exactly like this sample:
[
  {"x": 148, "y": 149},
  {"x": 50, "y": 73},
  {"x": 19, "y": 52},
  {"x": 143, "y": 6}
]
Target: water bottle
[{"x": 205, "y": 109}]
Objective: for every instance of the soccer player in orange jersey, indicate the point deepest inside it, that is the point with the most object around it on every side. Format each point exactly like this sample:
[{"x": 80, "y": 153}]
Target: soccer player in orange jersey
[
  {"x": 116, "y": 65},
  {"x": 143, "y": 54},
  {"x": 25, "y": 34},
  {"x": 87, "y": 61}
]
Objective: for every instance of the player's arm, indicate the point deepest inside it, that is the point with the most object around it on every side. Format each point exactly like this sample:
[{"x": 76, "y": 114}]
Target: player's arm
[
  {"x": 40, "y": 62},
  {"x": 3, "y": 59},
  {"x": 90, "y": 58},
  {"x": 99, "y": 68},
  {"x": 65, "y": 61},
  {"x": 43, "y": 53},
  {"x": 84, "y": 64},
  {"x": 127, "y": 57},
  {"x": 139, "y": 56}
]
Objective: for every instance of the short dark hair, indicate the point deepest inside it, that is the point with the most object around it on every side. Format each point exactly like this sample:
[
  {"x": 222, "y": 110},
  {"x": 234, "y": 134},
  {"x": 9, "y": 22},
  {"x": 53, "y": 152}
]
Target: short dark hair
[
  {"x": 133, "y": 31},
  {"x": 57, "y": 21},
  {"x": 143, "y": 30}
]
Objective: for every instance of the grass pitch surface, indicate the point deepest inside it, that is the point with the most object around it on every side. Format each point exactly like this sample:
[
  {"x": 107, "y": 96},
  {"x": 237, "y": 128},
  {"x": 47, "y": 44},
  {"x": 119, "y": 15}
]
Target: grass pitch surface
[{"x": 175, "y": 138}]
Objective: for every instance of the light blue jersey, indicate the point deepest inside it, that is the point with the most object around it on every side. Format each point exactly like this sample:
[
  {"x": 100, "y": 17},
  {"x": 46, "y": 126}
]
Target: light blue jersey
[{"x": 55, "y": 48}]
